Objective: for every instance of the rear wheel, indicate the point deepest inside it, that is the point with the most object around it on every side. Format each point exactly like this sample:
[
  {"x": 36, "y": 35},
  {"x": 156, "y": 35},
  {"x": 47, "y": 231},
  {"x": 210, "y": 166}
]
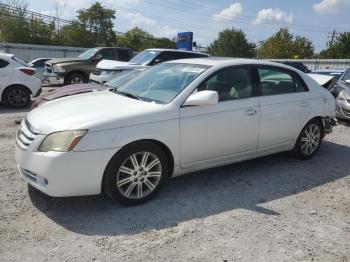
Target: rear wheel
[
  {"x": 76, "y": 78},
  {"x": 17, "y": 96},
  {"x": 309, "y": 140},
  {"x": 136, "y": 173}
]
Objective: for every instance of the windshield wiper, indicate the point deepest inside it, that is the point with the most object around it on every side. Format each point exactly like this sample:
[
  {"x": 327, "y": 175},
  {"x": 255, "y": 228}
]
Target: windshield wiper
[{"x": 128, "y": 94}]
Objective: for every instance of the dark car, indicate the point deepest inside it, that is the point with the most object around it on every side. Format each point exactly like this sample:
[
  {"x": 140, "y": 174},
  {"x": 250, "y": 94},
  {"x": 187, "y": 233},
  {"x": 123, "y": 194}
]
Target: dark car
[
  {"x": 298, "y": 65},
  {"x": 76, "y": 70}
]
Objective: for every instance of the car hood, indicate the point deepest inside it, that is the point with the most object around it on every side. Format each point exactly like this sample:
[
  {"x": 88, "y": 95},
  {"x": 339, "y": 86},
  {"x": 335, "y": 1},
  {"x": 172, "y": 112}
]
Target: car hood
[
  {"x": 94, "y": 111},
  {"x": 117, "y": 65},
  {"x": 321, "y": 79},
  {"x": 73, "y": 90},
  {"x": 65, "y": 60}
]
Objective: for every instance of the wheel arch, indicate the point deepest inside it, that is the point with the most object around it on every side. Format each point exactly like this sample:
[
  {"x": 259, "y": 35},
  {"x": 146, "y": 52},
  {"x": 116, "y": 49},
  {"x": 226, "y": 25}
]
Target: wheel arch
[
  {"x": 164, "y": 147},
  {"x": 319, "y": 119},
  {"x": 75, "y": 72}
]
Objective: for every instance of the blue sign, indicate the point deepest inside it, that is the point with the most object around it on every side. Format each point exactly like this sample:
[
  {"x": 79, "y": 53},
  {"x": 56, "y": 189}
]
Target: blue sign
[{"x": 184, "y": 41}]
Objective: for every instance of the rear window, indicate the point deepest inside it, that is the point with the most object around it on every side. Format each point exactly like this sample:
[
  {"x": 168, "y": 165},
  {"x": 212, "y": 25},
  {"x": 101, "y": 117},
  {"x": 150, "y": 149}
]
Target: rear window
[
  {"x": 3, "y": 63},
  {"x": 276, "y": 81},
  {"x": 20, "y": 61}
]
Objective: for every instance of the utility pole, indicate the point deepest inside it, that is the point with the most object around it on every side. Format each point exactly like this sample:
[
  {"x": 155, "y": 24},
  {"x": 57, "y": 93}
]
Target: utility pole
[{"x": 332, "y": 38}]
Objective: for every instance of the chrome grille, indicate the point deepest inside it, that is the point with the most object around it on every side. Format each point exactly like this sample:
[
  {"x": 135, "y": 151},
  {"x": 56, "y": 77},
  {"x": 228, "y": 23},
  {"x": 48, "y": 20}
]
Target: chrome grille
[{"x": 25, "y": 135}]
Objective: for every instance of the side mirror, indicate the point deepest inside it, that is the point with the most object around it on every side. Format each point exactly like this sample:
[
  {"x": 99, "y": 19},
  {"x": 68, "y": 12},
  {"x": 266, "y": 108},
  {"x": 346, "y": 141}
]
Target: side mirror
[
  {"x": 158, "y": 61},
  {"x": 202, "y": 98}
]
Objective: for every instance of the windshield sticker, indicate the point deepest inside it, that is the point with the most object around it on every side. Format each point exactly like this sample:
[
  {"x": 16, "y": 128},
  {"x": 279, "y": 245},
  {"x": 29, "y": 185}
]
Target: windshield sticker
[
  {"x": 197, "y": 70},
  {"x": 153, "y": 52}
]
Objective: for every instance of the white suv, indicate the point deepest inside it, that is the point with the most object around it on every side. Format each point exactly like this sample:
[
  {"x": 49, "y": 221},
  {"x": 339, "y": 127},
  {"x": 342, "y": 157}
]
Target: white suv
[
  {"x": 17, "y": 81},
  {"x": 109, "y": 69}
]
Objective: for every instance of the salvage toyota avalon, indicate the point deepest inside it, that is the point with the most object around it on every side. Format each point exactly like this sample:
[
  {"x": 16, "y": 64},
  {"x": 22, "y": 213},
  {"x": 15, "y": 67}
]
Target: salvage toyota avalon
[{"x": 175, "y": 118}]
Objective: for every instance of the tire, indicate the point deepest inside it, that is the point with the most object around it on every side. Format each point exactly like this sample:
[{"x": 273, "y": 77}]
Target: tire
[
  {"x": 75, "y": 78},
  {"x": 17, "y": 96},
  {"x": 136, "y": 173},
  {"x": 309, "y": 140}
]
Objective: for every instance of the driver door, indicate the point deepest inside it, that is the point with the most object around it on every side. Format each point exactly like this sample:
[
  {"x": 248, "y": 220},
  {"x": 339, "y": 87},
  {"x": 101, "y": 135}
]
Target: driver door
[{"x": 225, "y": 130}]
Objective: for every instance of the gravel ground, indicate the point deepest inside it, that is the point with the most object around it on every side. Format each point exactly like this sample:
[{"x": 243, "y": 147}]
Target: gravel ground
[{"x": 274, "y": 208}]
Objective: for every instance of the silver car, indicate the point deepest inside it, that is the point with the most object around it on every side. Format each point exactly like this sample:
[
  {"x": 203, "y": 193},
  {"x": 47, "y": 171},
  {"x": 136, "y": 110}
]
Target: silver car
[{"x": 341, "y": 90}]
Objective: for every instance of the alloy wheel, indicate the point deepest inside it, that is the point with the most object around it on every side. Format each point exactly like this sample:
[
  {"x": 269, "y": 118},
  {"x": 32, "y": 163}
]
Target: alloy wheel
[
  {"x": 17, "y": 97},
  {"x": 139, "y": 175},
  {"x": 310, "y": 139}
]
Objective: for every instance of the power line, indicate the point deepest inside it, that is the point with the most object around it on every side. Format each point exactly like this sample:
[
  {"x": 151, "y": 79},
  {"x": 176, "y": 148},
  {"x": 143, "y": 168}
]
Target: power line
[{"x": 75, "y": 24}]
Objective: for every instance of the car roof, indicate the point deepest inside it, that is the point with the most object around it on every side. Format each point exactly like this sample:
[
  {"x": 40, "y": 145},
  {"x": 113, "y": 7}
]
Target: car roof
[
  {"x": 227, "y": 61},
  {"x": 176, "y": 50},
  {"x": 6, "y": 55},
  {"x": 329, "y": 70}
]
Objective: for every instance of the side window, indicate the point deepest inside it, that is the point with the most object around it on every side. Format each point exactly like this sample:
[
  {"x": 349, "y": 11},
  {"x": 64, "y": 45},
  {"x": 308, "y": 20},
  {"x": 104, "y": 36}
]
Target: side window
[
  {"x": 3, "y": 63},
  {"x": 276, "y": 82},
  {"x": 39, "y": 63},
  {"x": 123, "y": 55},
  {"x": 107, "y": 53},
  {"x": 230, "y": 83}
]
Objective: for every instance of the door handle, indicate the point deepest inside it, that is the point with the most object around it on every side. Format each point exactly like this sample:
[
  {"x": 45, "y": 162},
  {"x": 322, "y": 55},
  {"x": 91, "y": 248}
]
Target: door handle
[
  {"x": 304, "y": 104},
  {"x": 251, "y": 112}
]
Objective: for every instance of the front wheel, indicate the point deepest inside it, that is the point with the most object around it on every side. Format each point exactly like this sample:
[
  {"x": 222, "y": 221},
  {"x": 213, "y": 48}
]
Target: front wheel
[
  {"x": 309, "y": 140},
  {"x": 136, "y": 173},
  {"x": 76, "y": 78}
]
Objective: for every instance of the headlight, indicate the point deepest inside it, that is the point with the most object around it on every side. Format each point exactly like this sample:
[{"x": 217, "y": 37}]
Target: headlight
[
  {"x": 58, "y": 69},
  {"x": 61, "y": 141}
]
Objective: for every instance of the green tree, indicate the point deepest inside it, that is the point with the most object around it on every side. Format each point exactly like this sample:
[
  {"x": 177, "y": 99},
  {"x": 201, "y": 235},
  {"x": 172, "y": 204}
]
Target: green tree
[
  {"x": 303, "y": 47},
  {"x": 17, "y": 27},
  {"x": 138, "y": 40},
  {"x": 75, "y": 34},
  {"x": 339, "y": 49},
  {"x": 98, "y": 22},
  {"x": 283, "y": 44},
  {"x": 232, "y": 43}
]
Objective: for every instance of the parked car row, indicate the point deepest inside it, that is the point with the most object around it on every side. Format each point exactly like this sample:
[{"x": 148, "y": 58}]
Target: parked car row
[{"x": 170, "y": 119}]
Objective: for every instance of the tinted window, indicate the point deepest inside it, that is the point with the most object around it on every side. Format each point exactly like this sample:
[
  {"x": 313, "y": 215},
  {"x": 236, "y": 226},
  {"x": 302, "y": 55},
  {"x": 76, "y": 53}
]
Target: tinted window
[
  {"x": 3, "y": 63},
  {"x": 107, "y": 53},
  {"x": 40, "y": 63},
  {"x": 277, "y": 82},
  {"x": 230, "y": 83},
  {"x": 123, "y": 55}
]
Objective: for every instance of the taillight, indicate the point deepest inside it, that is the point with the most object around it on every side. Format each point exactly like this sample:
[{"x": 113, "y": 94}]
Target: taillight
[{"x": 28, "y": 71}]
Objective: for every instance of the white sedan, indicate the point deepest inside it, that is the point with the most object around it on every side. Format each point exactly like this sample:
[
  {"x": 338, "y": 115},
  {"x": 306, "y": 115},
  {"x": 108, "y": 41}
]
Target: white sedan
[
  {"x": 175, "y": 118},
  {"x": 17, "y": 81}
]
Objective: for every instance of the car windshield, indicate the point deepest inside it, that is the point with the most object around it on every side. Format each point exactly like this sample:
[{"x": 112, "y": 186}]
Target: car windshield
[
  {"x": 144, "y": 57},
  {"x": 346, "y": 77},
  {"x": 162, "y": 83},
  {"x": 122, "y": 78},
  {"x": 88, "y": 53}
]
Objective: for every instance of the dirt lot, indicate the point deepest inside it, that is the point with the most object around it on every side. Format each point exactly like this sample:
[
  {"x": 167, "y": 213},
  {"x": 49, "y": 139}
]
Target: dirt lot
[{"x": 270, "y": 209}]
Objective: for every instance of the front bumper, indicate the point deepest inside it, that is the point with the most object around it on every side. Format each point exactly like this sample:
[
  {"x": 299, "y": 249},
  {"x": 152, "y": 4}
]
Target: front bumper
[
  {"x": 53, "y": 79},
  {"x": 342, "y": 109},
  {"x": 101, "y": 79},
  {"x": 64, "y": 174}
]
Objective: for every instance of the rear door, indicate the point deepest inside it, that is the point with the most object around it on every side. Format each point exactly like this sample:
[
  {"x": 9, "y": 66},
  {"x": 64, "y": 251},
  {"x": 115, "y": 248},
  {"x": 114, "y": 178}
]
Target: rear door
[{"x": 285, "y": 106}]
